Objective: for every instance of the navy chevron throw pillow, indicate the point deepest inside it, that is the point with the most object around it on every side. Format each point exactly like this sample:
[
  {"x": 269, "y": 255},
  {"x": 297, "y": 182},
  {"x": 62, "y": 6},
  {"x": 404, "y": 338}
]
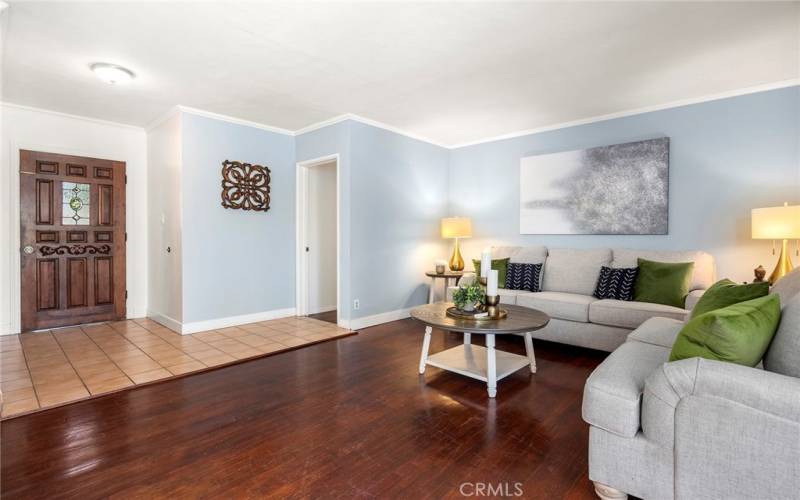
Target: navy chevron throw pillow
[
  {"x": 616, "y": 283},
  {"x": 523, "y": 277}
]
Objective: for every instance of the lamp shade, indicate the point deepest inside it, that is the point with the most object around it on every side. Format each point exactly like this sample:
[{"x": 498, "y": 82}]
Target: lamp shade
[
  {"x": 456, "y": 227},
  {"x": 776, "y": 223}
]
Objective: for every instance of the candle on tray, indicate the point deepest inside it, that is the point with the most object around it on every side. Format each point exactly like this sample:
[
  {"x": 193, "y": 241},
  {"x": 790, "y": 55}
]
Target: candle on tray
[
  {"x": 486, "y": 262},
  {"x": 491, "y": 283}
]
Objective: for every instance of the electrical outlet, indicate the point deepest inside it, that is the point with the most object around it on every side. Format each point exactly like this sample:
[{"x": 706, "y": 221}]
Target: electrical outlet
[{"x": 356, "y": 304}]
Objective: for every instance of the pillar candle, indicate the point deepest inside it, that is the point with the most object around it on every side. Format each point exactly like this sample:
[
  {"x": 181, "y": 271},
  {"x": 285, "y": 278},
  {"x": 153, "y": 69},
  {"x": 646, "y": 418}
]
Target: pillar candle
[
  {"x": 491, "y": 283},
  {"x": 486, "y": 262}
]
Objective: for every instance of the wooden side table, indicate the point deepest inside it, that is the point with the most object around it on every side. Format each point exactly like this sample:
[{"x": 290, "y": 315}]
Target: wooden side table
[{"x": 447, "y": 276}]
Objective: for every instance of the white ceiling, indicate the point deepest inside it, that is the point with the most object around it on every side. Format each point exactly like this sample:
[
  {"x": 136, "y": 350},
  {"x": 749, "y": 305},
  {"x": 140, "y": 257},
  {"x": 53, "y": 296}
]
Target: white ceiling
[{"x": 451, "y": 72}]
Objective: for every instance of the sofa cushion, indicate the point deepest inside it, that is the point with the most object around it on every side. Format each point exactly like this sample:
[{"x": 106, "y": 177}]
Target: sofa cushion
[
  {"x": 703, "y": 275},
  {"x": 574, "y": 271},
  {"x": 657, "y": 331},
  {"x": 524, "y": 255},
  {"x": 740, "y": 333},
  {"x": 783, "y": 355},
  {"x": 631, "y": 314},
  {"x": 571, "y": 306},
  {"x": 725, "y": 292},
  {"x": 523, "y": 276},
  {"x": 508, "y": 296},
  {"x": 616, "y": 283},
  {"x": 499, "y": 265},
  {"x": 787, "y": 287},
  {"x": 613, "y": 393},
  {"x": 663, "y": 282}
]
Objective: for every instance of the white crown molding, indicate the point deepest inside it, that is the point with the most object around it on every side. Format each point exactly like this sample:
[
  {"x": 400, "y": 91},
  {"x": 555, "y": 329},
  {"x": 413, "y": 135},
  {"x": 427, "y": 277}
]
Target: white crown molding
[
  {"x": 366, "y": 121},
  {"x": 12, "y": 105},
  {"x": 323, "y": 124},
  {"x": 232, "y": 119},
  {"x": 637, "y": 111},
  {"x": 396, "y": 130},
  {"x": 374, "y": 123},
  {"x": 162, "y": 118}
]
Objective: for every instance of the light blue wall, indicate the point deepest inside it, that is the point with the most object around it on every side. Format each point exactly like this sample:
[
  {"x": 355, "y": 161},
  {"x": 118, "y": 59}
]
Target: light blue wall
[
  {"x": 235, "y": 262},
  {"x": 394, "y": 191},
  {"x": 398, "y": 196},
  {"x": 726, "y": 157},
  {"x": 330, "y": 140}
]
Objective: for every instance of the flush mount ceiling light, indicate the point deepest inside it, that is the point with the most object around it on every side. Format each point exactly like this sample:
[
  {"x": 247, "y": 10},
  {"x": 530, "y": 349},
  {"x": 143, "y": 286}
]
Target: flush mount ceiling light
[{"x": 111, "y": 73}]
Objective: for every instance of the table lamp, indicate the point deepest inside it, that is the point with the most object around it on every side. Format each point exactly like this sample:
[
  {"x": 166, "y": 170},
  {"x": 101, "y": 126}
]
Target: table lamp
[
  {"x": 456, "y": 227},
  {"x": 777, "y": 223}
]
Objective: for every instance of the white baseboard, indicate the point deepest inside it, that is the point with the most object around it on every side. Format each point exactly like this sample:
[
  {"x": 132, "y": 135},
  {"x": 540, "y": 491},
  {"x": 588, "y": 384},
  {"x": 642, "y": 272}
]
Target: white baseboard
[
  {"x": 6, "y": 329},
  {"x": 171, "y": 323},
  {"x": 134, "y": 314},
  {"x": 213, "y": 324},
  {"x": 377, "y": 319},
  {"x": 323, "y": 309}
]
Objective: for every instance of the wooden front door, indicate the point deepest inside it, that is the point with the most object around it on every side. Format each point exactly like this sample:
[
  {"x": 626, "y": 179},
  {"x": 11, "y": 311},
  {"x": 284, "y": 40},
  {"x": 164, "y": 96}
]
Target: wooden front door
[{"x": 72, "y": 215}]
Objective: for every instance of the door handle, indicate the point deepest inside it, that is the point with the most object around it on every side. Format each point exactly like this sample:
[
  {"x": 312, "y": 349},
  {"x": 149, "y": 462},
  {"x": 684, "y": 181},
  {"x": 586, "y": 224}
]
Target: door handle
[{"x": 28, "y": 249}]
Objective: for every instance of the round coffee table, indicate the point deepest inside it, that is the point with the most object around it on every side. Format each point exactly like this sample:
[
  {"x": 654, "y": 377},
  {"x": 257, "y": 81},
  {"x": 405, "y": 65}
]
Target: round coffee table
[{"x": 478, "y": 362}]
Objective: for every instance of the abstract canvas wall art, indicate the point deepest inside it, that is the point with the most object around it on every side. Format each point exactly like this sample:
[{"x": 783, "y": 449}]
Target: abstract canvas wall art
[{"x": 618, "y": 189}]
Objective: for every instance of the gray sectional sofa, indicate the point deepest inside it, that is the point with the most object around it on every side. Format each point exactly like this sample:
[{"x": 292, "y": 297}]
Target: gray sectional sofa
[
  {"x": 696, "y": 428},
  {"x": 568, "y": 283}
]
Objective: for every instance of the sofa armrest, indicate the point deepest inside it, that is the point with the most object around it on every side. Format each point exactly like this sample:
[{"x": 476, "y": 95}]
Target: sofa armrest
[
  {"x": 692, "y": 299},
  {"x": 734, "y": 429},
  {"x": 729, "y": 384}
]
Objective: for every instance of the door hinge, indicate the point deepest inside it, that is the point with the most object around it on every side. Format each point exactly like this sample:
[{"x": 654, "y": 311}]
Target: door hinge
[
  {"x": 126, "y": 295},
  {"x": 126, "y": 236},
  {"x": 126, "y": 178}
]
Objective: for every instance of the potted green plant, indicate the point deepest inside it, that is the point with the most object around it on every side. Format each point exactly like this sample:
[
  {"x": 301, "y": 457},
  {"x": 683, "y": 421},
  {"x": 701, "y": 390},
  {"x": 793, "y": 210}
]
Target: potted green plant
[{"x": 466, "y": 298}]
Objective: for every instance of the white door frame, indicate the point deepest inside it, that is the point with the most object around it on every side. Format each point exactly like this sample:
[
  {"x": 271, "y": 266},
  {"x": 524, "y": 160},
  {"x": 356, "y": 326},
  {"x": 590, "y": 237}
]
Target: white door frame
[{"x": 301, "y": 256}]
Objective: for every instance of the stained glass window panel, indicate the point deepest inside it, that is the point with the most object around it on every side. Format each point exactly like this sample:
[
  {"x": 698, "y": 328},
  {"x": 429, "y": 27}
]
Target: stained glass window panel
[{"x": 76, "y": 200}]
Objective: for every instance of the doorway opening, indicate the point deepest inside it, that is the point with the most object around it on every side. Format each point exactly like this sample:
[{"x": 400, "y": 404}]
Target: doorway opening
[{"x": 318, "y": 242}]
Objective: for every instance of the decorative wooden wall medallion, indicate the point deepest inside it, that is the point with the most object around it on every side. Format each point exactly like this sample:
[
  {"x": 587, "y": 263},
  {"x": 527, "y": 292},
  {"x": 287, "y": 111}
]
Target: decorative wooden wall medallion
[{"x": 245, "y": 186}]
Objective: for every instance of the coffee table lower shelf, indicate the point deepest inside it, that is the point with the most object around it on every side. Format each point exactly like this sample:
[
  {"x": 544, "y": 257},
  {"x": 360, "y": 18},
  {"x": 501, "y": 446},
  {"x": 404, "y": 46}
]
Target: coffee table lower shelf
[{"x": 471, "y": 361}]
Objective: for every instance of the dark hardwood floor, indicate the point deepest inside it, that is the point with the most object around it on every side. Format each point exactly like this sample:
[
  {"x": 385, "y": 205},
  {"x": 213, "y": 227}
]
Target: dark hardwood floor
[
  {"x": 329, "y": 316},
  {"x": 346, "y": 418}
]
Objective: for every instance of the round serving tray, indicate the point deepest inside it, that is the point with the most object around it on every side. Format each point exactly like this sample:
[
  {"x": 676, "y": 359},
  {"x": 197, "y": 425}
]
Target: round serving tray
[{"x": 454, "y": 312}]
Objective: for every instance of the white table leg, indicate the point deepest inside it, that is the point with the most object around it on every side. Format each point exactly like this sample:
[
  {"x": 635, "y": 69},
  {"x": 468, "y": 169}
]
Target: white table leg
[
  {"x": 467, "y": 338},
  {"x": 491, "y": 366},
  {"x": 431, "y": 291},
  {"x": 446, "y": 286},
  {"x": 529, "y": 351},
  {"x": 426, "y": 344}
]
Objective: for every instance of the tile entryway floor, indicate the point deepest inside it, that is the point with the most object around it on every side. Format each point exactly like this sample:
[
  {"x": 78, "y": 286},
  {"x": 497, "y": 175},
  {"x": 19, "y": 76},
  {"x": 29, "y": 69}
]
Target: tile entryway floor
[{"x": 53, "y": 367}]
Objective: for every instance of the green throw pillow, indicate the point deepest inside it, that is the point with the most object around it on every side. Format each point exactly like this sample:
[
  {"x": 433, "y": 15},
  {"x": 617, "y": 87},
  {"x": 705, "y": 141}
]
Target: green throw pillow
[
  {"x": 725, "y": 292},
  {"x": 663, "y": 282},
  {"x": 739, "y": 333},
  {"x": 500, "y": 265}
]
